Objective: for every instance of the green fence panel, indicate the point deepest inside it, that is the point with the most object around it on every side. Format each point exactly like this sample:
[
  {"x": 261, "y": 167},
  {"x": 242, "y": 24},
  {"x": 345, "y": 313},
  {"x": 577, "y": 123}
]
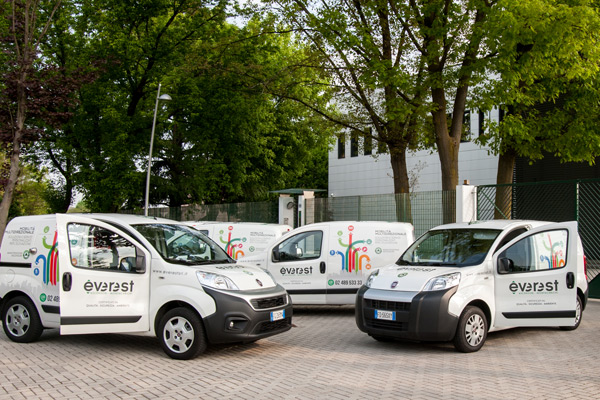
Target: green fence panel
[
  {"x": 424, "y": 209},
  {"x": 577, "y": 200}
]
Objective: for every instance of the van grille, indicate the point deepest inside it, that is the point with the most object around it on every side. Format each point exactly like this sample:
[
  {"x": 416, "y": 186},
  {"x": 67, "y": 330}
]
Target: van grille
[
  {"x": 271, "y": 326},
  {"x": 382, "y": 324},
  {"x": 269, "y": 302},
  {"x": 387, "y": 305}
]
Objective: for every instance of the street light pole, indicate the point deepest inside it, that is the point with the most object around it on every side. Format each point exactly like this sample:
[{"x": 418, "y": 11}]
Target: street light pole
[{"x": 164, "y": 97}]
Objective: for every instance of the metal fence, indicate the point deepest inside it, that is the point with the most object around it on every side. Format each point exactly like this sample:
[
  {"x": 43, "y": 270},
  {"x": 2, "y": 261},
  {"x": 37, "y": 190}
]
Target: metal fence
[
  {"x": 265, "y": 211},
  {"x": 424, "y": 209},
  {"x": 577, "y": 200}
]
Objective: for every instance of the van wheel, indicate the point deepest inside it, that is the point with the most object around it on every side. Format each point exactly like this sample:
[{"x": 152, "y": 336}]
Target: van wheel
[
  {"x": 181, "y": 334},
  {"x": 471, "y": 331},
  {"x": 21, "y": 321},
  {"x": 578, "y": 315}
]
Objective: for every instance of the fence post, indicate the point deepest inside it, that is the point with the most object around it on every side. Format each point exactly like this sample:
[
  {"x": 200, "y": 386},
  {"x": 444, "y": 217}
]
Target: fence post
[
  {"x": 577, "y": 201},
  {"x": 466, "y": 203}
]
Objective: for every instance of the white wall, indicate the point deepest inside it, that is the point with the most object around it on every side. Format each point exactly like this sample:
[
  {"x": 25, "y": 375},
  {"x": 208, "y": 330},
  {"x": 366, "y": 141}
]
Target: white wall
[{"x": 372, "y": 174}]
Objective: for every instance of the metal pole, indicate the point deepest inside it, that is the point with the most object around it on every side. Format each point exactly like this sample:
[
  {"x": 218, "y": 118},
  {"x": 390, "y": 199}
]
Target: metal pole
[{"x": 150, "y": 154}]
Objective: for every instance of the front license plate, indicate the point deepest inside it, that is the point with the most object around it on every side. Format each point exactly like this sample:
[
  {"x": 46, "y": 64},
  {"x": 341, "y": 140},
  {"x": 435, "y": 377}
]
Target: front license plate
[
  {"x": 387, "y": 315},
  {"x": 277, "y": 315}
]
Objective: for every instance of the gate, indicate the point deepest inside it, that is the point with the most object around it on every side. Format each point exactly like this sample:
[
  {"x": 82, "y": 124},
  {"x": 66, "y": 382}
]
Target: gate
[{"x": 558, "y": 201}]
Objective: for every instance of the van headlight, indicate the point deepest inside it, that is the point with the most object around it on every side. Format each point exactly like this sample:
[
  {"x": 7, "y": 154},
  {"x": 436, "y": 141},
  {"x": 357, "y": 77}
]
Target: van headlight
[
  {"x": 215, "y": 281},
  {"x": 442, "y": 282},
  {"x": 371, "y": 277}
]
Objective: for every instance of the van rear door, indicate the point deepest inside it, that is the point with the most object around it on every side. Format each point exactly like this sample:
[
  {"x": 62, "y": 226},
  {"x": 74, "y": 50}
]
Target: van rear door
[
  {"x": 536, "y": 278},
  {"x": 104, "y": 278}
]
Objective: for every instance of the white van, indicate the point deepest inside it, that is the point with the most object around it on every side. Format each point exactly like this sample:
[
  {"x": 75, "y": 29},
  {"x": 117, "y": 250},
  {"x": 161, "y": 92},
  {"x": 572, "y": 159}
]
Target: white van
[
  {"x": 459, "y": 281},
  {"x": 132, "y": 274},
  {"x": 241, "y": 239},
  {"x": 326, "y": 263}
]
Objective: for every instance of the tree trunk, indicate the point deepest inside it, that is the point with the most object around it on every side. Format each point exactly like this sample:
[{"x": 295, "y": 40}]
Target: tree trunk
[
  {"x": 15, "y": 169},
  {"x": 506, "y": 166},
  {"x": 401, "y": 186},
  {"x": 447, "y": 147}
]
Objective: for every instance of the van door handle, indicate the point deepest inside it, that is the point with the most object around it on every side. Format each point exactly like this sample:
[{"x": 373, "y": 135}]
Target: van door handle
[
  {"x": 322, "y": 267},
  {"x": 67, "y": 281},
  {"x": 570, "y": 280}
]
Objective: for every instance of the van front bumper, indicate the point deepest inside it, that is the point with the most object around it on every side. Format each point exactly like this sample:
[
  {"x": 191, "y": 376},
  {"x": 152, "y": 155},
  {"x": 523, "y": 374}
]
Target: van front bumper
[
  {"x": 246, "y": 316},
  {"x": 417, "y": 316}
]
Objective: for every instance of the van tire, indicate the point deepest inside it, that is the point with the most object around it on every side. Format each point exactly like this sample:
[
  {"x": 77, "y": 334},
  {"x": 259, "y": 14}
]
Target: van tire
[
  {"x": 21, "y": 320},
  {"x": 471, "y": 331},
  {"x": 578, "y": 315},
  {"x": 181, "y": 334}
]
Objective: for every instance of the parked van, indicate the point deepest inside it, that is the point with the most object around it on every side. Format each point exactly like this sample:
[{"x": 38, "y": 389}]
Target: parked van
[
  {"x": 460, "y": 281},
  {"x": 132, "y": 274},
  {"x": 241, "y": 239},
  {"x": 326, "y": 263}
]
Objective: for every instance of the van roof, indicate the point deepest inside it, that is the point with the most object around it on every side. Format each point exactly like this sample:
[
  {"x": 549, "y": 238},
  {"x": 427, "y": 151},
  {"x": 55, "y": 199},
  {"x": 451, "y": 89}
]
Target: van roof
[
  {"x": 500, "y": 224},
  {"x": 130, "y": 219}
]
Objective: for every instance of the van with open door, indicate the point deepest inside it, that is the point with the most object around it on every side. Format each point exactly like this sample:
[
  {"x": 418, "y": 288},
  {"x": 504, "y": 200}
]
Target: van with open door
[
  {"x": 112, "y": 273},
  {"x": 460, "y": 281}
]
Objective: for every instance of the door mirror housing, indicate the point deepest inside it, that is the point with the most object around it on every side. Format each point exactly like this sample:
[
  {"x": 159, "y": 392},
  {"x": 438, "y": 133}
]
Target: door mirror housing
[
  {"x": 140, "y": 261},
  {"x": 505, "y": 265}
]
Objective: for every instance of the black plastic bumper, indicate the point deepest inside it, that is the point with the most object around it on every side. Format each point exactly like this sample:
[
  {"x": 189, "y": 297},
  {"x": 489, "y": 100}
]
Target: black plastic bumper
[
  {"x": 425, "y": 318},
  {"x": 237, "y": 321}
]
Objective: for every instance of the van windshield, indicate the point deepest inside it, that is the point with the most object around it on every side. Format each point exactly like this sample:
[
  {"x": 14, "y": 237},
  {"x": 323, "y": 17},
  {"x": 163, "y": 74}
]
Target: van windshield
[
  {"x": 181, "y": 244},
  {"x": 450, "y": 247}
]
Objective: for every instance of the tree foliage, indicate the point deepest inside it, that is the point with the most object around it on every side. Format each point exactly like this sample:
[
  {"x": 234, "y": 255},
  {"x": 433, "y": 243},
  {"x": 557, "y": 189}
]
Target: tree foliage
[
  {"x": 222, "y": 138},
  {"x": 547, "y": 66}
]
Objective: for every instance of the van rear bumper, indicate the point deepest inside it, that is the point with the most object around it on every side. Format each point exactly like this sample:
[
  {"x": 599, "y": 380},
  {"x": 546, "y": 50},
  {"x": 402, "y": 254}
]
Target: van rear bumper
[
  {"x": 424, "y": 317},
  {"x": 247, "y": 316}
]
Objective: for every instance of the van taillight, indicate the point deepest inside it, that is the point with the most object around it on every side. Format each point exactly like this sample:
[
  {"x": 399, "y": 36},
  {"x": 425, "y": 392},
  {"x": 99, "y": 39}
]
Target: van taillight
[{"x": 585, "y": 266}]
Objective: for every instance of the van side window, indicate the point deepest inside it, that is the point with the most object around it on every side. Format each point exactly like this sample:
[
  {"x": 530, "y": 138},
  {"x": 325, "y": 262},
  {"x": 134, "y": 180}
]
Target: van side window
[
  {"x": 304, "y": 246},
  {"x": 542, "y": 251},
  {"x": 98, "y": 248}
]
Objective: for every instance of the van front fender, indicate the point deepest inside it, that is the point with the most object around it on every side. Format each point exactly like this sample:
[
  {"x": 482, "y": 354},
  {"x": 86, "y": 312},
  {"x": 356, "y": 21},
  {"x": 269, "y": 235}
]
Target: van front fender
[{"x": 175, "y": 294}]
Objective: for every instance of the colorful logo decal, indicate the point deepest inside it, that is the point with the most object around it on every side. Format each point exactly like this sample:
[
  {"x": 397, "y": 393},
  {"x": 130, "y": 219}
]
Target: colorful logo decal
[
  {"x": 556, "y": 259},
  {"x": 352, "y": 261},
  {"x": 231, "y": 245},
  {"x": 50, "y": 262}
]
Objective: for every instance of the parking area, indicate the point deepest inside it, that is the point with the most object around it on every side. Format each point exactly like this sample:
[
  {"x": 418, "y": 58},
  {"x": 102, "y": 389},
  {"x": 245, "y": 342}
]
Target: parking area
[{"x": 323, "y": 357}]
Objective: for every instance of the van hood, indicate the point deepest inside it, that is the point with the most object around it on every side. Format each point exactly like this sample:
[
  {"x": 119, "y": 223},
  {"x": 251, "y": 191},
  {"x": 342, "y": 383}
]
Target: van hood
[
  {"x": 257, "y": 260},
  {"x": 245, "y": 277},
  {"x": 408, "y": 278}
]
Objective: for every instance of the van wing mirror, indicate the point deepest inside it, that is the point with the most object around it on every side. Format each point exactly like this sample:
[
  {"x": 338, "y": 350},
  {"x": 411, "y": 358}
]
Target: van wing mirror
[
  {"x": 505, "y": 265},
  {"x": 140, "y": 261},
  {"x": 276, "y": 254}
]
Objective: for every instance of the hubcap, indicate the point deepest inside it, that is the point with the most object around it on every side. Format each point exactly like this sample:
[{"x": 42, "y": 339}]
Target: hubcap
[
  {"x": 18, "y": 320},
  {"x": 178, "y": 334},
  {"x": 474, "y": 330}
]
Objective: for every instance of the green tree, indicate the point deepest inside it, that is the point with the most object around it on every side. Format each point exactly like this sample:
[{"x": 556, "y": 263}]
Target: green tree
[
  {"x": 230, "y": 139},
  {"x": 365, "y": 55},
  {"x": 547, "y": 60},
  {"x": 29, "y": 87}
]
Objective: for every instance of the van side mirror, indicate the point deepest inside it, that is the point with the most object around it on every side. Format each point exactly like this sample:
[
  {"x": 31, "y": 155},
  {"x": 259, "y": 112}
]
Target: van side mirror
[
  {"x": 505, "y": 265},
  {"x": 276, "y": 254},
  {"x": 140, "y": 261}
]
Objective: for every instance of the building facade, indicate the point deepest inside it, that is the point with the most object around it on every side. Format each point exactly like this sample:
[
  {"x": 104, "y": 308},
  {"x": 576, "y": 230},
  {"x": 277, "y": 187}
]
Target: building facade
[{"x": 357, "y": 168}]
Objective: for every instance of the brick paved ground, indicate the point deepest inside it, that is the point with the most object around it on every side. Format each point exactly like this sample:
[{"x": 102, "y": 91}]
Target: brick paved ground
[{"x": 324, "y": 357}]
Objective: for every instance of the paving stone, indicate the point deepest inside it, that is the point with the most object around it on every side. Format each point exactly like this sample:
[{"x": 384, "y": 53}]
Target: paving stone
[{"x": 324, "y": 356}]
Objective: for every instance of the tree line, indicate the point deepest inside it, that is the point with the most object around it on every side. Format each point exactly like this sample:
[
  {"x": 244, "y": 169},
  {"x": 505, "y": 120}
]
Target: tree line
[{"x": 260, "y": 89}]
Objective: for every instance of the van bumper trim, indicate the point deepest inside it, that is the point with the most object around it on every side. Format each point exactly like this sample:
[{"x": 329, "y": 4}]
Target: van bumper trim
[{"x": 111, "y": 319}]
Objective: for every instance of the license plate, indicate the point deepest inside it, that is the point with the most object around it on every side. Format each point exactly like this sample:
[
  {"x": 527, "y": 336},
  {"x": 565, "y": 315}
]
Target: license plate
[
  {"x": 387, "y": 315},
  {"x": 277, "y": 315}
]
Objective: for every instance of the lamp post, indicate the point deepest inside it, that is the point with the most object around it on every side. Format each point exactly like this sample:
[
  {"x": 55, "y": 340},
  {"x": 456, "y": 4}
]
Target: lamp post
[{"x": 164, "y": 97}]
